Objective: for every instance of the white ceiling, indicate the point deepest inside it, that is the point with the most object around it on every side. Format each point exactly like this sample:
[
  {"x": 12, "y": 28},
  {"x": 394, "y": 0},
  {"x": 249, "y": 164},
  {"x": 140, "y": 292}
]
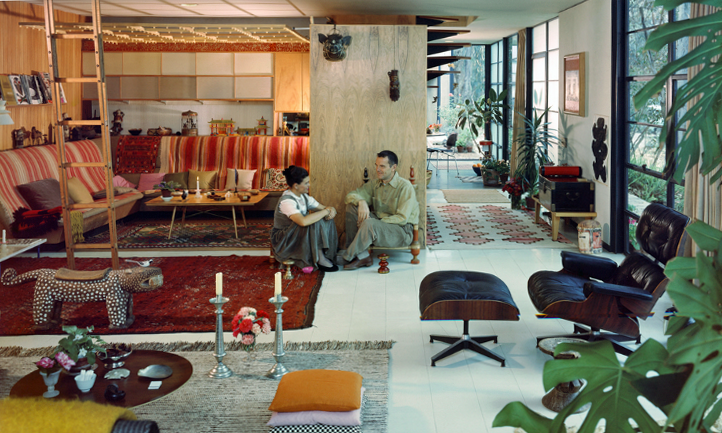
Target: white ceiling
[{"x": 496, "y": 18}]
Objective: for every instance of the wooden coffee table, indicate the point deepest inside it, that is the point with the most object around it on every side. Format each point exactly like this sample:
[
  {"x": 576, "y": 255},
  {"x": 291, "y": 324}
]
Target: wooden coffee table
[
  {"x": 204, "y": 201},
  {"x": 135, "y": 387}
]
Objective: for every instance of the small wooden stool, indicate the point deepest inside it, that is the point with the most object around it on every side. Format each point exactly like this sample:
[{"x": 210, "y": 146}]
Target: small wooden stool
[{"x": 563, "y": 394}]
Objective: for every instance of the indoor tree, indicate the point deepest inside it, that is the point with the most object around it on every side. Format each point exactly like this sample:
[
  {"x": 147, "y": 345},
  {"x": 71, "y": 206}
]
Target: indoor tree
[{"x": 533, "y": 149}]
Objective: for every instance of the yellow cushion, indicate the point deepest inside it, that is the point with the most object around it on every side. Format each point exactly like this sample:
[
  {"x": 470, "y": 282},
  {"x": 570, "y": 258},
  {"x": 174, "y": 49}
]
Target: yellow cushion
[
  {"x": 38, "y": 415},
  {"x": 327, "y": 390},
  {"x": 207, "y": 179},
  {"x": 78, "y": 191}
]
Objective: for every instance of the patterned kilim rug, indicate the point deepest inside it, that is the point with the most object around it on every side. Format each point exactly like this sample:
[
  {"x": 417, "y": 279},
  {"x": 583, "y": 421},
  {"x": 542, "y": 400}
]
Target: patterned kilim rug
[
  {"x": 471, "y": 179},
  {"x": 489, "y": 195},
  {"x": 206, "y": 235},
  {"x": 468, "y": 227},
  {"x": 240, "y": 403}
]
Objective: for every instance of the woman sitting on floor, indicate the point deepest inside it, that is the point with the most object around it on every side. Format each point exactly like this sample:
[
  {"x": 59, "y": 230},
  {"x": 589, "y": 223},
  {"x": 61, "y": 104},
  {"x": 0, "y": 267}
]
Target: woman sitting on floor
[{"x": 309, "y": 238}]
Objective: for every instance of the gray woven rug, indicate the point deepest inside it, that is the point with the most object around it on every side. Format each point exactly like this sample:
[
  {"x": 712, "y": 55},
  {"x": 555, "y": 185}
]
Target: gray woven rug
[{"x": 240, "y": 403}]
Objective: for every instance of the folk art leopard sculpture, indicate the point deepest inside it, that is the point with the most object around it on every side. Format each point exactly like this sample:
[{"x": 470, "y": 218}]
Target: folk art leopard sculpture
[{"x": 116, "y": 288}]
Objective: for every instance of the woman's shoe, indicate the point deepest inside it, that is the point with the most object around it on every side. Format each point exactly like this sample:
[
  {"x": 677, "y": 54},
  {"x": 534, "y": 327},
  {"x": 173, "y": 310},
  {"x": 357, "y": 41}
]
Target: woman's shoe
[{"x": 333, "y": 268}]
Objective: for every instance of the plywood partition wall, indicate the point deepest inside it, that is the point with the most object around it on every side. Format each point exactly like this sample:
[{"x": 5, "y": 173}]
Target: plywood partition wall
[
  {"x": 23, "y": 50},
  {"x": 353, "y": 117}
]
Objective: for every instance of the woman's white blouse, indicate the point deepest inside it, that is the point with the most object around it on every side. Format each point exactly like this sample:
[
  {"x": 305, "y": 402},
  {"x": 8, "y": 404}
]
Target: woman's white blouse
[{"x": 296, "y": 204}]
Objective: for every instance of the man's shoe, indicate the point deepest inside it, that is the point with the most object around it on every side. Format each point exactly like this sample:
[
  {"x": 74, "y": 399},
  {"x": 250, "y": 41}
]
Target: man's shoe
[{"x": 356, "y": 263}]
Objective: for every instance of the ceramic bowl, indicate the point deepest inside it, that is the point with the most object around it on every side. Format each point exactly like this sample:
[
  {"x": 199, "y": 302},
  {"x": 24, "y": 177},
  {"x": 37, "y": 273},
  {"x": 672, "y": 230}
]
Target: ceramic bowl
[
  {"x": 85, "y": 385},
  {"x": 166, "y": 198},
  {"x": 135, "y": 131}
]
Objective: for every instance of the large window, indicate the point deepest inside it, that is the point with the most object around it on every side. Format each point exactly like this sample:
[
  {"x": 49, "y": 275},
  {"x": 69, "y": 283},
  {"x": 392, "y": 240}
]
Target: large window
[
  {"x": 649, "y": 166},
  {"x": 496, "y": 83},
  {"x": 545, "y": 74},
  {"x": 513, "y": 42}
]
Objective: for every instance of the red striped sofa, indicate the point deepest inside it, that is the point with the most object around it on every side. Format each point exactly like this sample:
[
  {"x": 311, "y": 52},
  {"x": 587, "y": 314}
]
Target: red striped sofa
[
  {"x": 21, "y": 166},
  {"x": 205, "y": 153}
]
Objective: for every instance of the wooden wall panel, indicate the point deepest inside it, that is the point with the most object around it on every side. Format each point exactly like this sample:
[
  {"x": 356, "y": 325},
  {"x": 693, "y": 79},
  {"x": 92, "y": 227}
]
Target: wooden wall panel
[
  {"x": 23, "y": 50},
  {"x": 353, "y": 118},
  {"x": 288, "y": 82}
]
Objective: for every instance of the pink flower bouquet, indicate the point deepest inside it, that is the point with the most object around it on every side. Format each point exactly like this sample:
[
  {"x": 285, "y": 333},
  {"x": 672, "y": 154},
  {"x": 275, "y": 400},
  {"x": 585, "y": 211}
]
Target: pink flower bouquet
[
  {"x": 48, "y": 366},
  {"x": 250, "y": 323}
]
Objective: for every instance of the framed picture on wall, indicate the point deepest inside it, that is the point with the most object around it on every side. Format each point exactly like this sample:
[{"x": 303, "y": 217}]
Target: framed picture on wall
[{"x": 574, "y": 84}]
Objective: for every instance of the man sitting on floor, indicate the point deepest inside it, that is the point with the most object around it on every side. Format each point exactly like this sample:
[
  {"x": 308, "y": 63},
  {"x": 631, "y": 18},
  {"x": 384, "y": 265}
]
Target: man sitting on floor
[{"x": 390, "y": 224}]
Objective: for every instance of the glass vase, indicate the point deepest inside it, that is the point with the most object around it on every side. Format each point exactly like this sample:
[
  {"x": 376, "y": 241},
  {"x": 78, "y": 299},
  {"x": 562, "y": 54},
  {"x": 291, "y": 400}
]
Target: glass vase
[
  {"x": 250, "y": 356},
  {"x": 50, "y": 381},
  {"x": 515, "y": 202}
]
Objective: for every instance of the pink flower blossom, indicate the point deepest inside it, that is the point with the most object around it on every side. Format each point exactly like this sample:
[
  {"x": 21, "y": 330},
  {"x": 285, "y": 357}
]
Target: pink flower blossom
[
  {"x": 266, "y": 327},
  {"x": 248, "y": 339},
  {"x": 243, "y": 312},
  {"x": 256, "y": 329},
  {"x": 64, "y": 360},
  {"x": 45, "y": 362}
]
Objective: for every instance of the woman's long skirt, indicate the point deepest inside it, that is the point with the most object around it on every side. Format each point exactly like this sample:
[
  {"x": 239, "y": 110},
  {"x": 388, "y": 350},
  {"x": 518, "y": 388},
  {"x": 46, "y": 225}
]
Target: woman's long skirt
[{"x": 305, "y": 245}]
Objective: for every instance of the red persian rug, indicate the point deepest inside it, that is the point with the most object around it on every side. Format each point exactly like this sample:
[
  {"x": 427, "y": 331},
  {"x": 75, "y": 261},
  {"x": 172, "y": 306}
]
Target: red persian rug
[
  {"x": 136, "y": 154},
  {"x": 180, "y": 305}
]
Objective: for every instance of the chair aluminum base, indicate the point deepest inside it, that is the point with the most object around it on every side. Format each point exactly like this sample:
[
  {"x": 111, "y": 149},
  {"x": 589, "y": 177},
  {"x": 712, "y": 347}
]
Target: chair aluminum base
[{"x": 465, "y": 342}]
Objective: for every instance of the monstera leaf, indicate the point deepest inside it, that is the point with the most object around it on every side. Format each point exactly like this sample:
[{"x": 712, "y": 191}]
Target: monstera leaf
[
  {"x": 704, "y": 117},
  {"x": 698, "y": 344},
  {"x": 609, "y": 389}
]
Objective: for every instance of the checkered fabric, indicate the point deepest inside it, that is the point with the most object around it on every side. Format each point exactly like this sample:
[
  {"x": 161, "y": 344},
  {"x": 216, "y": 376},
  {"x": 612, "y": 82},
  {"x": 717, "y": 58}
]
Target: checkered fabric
[{"x": 316, "y": 428}]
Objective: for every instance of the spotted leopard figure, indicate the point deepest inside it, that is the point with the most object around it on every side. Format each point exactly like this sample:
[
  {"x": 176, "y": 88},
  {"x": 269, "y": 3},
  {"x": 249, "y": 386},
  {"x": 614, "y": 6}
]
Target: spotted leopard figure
[{"x": 116, "y": 288}]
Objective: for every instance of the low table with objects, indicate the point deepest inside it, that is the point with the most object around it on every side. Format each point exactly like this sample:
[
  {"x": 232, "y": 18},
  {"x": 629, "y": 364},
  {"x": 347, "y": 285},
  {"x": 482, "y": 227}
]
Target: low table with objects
[
  {"x": 556, "y": 216},
  {"x": 465, "y": 295},
  {"x": 204, "y": 201},
  {"x": 135, "y": 387},
  {"x": 13, "y": 247},
  {"x": 561, "y": 395}
]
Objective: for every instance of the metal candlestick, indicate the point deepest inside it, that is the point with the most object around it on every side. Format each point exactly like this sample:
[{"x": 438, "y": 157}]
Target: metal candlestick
[
  {"x": 278, "y": 369},
  {"x": 220, "y": 371}
]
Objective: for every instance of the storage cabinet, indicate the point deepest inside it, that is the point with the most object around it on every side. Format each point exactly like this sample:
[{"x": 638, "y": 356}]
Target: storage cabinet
[
  {"x": 566, "y": 194},
  {"x": 292, "y": 82}
]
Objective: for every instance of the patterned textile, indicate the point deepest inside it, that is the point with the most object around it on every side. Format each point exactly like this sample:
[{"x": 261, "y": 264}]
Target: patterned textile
[
  {"x": 21, "y": 166},
  {"x": 137, "y": 154},
  {"x": 220, "y": 153},
  {"x": 275, "y": 179},
  {"x": 316, "y": 428}
]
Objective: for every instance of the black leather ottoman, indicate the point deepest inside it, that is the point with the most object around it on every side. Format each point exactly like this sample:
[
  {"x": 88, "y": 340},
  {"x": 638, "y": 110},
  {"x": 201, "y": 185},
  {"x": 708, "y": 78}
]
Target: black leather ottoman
[{"x": 465, "y": 295}]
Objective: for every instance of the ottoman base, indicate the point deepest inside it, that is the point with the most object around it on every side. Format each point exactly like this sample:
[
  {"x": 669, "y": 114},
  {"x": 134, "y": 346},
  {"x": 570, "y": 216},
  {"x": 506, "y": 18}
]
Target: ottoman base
[{"x": 465, "y": 342}]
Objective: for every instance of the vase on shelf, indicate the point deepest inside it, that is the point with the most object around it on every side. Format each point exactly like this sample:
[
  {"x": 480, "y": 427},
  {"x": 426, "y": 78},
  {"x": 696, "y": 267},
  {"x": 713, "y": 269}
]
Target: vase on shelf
[
  {"x": 50, "y": 379},
  {"x": 515, "y": 202}
]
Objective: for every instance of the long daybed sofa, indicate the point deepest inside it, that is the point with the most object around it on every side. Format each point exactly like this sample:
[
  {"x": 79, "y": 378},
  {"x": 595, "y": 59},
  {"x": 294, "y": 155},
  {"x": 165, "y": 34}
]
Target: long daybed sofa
[{"x": 176, "y": 156}]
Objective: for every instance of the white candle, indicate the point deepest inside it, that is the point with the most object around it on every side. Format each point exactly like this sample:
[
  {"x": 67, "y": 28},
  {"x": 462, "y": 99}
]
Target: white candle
[
  {"x": 3, "y": 236},
  {"x": 198, "y": 183},
  {"x": 219, "y": 284},
  {"x": 277, "y": 287}
]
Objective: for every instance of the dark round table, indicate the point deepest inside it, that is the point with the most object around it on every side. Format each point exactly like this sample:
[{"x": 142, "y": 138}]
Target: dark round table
[{"x": 135, "y": 387}]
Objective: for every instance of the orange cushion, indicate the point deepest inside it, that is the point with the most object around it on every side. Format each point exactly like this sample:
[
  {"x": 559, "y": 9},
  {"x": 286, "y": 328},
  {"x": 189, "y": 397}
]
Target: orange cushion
[{"x": 327, "y": 390}]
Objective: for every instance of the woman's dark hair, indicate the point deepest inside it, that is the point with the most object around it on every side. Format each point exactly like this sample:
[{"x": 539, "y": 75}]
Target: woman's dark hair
[{"x": 295, "y": 175}]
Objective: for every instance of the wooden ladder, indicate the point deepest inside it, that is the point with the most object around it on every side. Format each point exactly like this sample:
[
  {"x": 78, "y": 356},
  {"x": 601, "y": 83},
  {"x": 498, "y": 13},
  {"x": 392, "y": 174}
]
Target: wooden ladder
[{"x": 51, "y": 37}]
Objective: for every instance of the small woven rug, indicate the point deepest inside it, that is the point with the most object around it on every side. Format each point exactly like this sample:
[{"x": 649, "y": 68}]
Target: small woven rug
[
  {"x": 474, "y": 196},
  {"x": 471, "y": 179},
  {"x": 240, "y": 402},
  {"x": 136, "y": 154},
  {"x": 206, "y": 235},
  {"x": 469, "y": 227}
]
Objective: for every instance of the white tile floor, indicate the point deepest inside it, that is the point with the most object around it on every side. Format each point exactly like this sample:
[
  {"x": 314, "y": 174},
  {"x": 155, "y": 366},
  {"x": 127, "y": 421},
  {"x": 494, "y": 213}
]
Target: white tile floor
[{"x": 462, "y": 393}]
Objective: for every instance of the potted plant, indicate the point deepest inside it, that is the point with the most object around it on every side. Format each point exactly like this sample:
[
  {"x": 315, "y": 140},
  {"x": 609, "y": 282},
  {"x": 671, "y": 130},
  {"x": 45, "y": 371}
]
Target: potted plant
[
  {"x": 167, "y": 187},
  {"x": 80, "y": 346},
  {"x": 473, "y": 115},
  {"x": 494, "y": 171},
  {"x": 533, "y": 150}
]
